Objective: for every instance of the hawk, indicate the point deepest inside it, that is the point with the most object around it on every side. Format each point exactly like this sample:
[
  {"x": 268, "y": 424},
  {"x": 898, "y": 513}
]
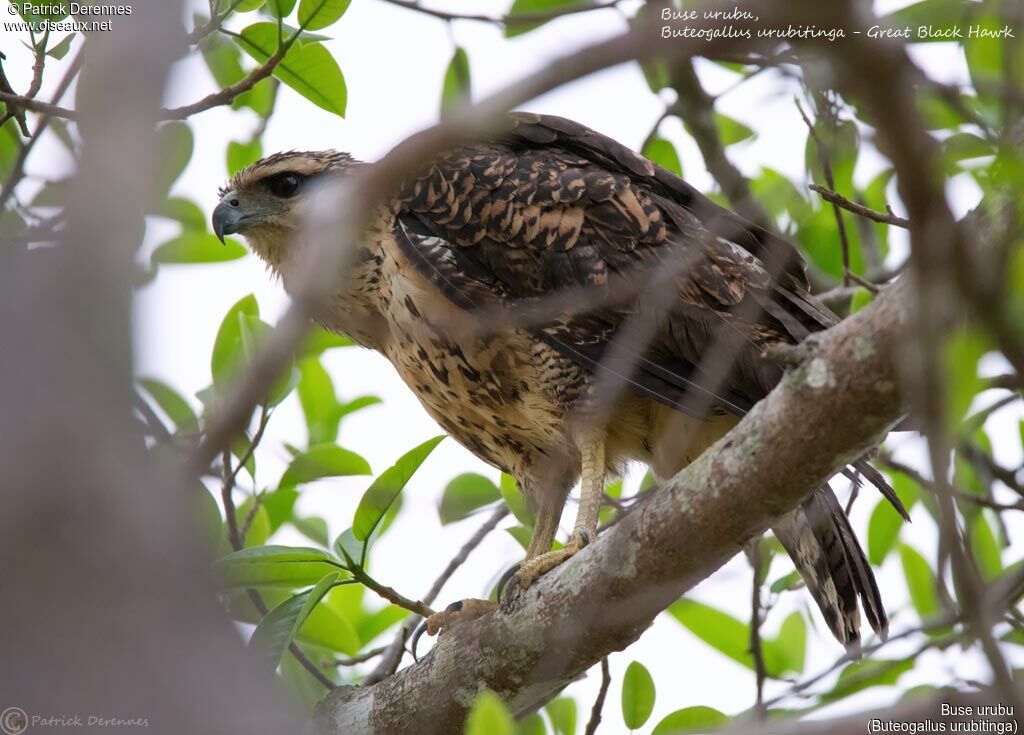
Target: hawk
[{"x": 621, "y": 316}]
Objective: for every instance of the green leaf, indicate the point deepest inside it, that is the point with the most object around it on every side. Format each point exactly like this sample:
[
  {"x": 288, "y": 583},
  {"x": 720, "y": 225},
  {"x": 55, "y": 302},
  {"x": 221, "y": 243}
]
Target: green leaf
[
  {"x": 317, "y": 14},
  {"x": 241, "y": 154},
  {"x": 382, "y": 493},
  {"x": 464, "y": 494},
  {"x": 457, "y": 87},
  {"x": 791, "y": 581},
  {"x": 529, "y": 7},
  {"x": 174, "y": 142},
  {"x": 731, "y": 131},
  {"x": 791, "y": 643},
  {"x": 861, "y": 675},
  {"x": 920, "y": 582},
  {"x": 663, "y": 153},
  {"x": 861, "y": 298},
  {"x": 193, "y": 246},
  {"x": 172, "y": 404},
  {"x": 324, "y": 460},
  {"x": 319, "y": 340},
  {"x": 375, "y": 624},
  {"x": 280, "y": 8},
  {"x": 719, "y": 630},
  {"x": 224, "y": 61},
  {"x": 637, "y": 695},
  {"x": 532, "y": 724},
  {"x": 313, "y": 528},
  {"x": 883, "y": 530},
  {"x": 984, "y": 547},
  {"x": 307, "y": 68},
  {"x": 319, "y": 403},
  {"x": 562, "y": 712},
  {"x": 691, "y": 719},
  {"x": 227, "y": 346},
  {"x": 275, "y": 566},
  {"x": 962, "y": 351},
  {"x": 278, "y": 628},
  {"x": 349, "y": 548},
  {"x": 489, "y": 716},
  {"x": 60, "y": 49},
  {"x": 515, "y": 501},
  {"x": 840, "y": 144},
  {"x": 184, "y": 211}
]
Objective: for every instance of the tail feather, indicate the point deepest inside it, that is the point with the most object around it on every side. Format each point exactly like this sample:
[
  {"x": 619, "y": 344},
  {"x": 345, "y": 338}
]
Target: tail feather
[{"x": 818, "y": 537}]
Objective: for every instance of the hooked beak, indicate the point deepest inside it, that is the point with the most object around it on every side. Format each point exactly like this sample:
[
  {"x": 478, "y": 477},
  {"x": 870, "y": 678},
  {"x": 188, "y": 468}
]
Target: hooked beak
[{"x": 227, "y": 216}]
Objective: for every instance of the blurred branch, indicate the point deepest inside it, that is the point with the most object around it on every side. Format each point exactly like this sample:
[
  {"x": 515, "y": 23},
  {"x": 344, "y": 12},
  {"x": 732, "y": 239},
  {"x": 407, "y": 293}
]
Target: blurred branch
[
  {"x": 697, "y": 109},
  {"x": 513, "y": 20}
]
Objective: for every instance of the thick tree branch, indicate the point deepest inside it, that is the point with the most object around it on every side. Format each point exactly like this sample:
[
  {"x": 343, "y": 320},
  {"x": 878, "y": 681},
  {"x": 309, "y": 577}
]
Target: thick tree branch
[{"x": 604, "y": 598}]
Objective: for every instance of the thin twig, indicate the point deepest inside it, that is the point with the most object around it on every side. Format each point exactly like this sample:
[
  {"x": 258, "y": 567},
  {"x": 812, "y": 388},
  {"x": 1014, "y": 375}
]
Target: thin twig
[
  {"x": 595, "y": 711},
  {"x": 756, "y": 651},
  {"x": 886, "y": 218},
  {"x": 826, "y": 166},
  {"x": 355, "y": 660}
]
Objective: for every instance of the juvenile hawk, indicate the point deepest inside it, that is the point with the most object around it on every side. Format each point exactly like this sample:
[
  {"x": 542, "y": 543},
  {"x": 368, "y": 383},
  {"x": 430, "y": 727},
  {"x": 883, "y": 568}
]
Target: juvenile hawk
[{"x": 622, "y": 316}]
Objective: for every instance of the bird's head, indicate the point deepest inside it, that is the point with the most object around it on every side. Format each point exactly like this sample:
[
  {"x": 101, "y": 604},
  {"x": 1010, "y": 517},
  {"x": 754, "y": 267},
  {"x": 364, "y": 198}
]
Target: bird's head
[{"x": 266, "y": 201}]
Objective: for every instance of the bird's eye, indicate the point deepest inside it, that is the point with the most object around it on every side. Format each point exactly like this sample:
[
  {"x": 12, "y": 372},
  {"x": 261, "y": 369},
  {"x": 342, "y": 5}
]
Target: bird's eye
[{"x": 284, "y": 185}]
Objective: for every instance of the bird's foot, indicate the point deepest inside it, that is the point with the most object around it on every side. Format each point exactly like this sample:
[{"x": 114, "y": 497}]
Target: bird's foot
[
  {"x": 533, "y": 568},
  {"x": 458, "y": 612}
]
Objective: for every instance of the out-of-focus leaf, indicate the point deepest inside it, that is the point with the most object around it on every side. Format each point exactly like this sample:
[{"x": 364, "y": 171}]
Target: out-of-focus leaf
[
  {"x": 562, "y": 712},
  {"x": 961, "y": 351},
  {"x": 515, "y": 501},
  {"x": 349, "y": 548},
  {"x": 870, "y": 672},
  {"x": 861, "y": 298},
  {"x": 319, "y": 403},
  {"x": 791, "y": 643},
  {"x": 530, "y": 7},
  {"x": 457, "y": 86},
  {"x": 731, "y": 131},
  {"x": 275, "y": 566},
  {"x": 984, "y": 547},
  {"x": 324, "y": 460},
  {"x": 489, "y": 716},
  {"x": 308, "y": 68},
  {"x": 60, "y": 49},
  {"x": 194, "y": 246},
  {"x": 663, "y": 153},
  {"x": 791, "y": 581},
  {"x": 317, "y": 14},
  {"x": 719, "y": 630},
  {"x": 280, "y": 8},
  {"x": 278, "y": 628},
  {"x": 637, "y": 695},
  {"x": 920, "y": 582},
  {"x": 382, "y": 493},
  {"x": 171, "y": 403},
  {"x": 313, "y": 528},
  {"x": 464, "y": 494},
  {"x": 184, "y": 211},
  {"x": 691, "y": 719},
  {"x": 174, "y": 142},
  {"x": 227, "y": 346},
  {"x": 242, "y": 154},
  {"x": 319, "y": 340},
  {"x": 532, "y": 724}
]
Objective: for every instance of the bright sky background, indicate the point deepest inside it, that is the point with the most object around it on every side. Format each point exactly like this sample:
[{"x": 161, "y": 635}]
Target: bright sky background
[{"x": 394, "y": 60}]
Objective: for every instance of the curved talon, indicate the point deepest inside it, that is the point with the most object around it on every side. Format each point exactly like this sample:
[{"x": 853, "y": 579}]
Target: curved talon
[
  {"x": 506, "y": 582},
  {"x": 414, "y": 643}
]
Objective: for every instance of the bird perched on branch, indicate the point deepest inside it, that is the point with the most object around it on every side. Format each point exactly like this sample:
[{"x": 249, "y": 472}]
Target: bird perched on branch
[{"x": 562, "y": 306}]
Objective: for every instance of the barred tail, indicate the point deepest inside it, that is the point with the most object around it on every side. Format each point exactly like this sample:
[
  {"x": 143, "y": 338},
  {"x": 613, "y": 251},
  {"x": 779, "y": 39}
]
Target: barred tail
[{"x": 818, "y": 537}]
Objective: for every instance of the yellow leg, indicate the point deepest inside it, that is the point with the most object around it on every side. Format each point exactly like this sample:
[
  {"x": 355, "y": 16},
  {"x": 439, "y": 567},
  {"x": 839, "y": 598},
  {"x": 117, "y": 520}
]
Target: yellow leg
[{"x": 540, "y": 560}]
